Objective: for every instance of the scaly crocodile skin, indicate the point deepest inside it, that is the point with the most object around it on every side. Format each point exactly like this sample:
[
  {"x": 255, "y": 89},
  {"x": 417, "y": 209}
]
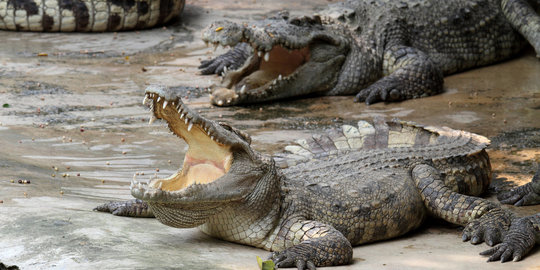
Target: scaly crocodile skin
[
  {"x": 349, "y": 186},
  {"x": 378, "y": 50},
  {"x": 86, "y": 15}
]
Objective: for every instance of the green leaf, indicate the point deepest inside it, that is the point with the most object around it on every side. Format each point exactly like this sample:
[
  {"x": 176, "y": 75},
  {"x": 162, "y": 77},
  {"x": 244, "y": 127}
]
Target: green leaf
[
  {"x": 268, "y": 265},
  {"x": 5, "y": 105},
  {"x": 265, "y": 265}
]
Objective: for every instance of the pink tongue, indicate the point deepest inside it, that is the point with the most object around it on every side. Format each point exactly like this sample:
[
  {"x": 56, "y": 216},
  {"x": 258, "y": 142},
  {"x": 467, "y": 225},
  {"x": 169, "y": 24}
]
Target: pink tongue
[{"x": 203, "y": 173}]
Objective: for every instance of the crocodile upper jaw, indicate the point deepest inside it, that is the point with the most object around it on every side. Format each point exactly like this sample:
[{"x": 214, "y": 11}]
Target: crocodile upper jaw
[{"x": 210, "y": 157}]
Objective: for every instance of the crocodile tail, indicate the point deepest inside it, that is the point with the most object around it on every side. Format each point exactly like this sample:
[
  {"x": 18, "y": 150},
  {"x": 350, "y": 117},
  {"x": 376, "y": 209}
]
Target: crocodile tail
[
  {"x": 381, "y": 134},
  {"x": 86, "y": 15}
]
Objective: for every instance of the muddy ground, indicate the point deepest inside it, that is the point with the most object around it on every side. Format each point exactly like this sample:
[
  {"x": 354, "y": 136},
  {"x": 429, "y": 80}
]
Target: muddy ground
[{"x": 73, "y": 125}]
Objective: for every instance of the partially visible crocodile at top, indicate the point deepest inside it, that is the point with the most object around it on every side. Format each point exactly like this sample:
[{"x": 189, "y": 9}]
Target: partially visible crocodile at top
[
  {"x": 380, "y": 50},
  {"x": 348, "y": 187},
  {"x": 86, "y": 15}
]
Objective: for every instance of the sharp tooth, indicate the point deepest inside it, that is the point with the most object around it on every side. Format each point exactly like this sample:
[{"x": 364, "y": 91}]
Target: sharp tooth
[
  {"x": 152, "y": 119},
  {"x": 266, "y": 56},
  {"x": 259, "y": 53},
  {"x": 165, "y": 104},
  {"x": 144, "y": 100},
  {"x": 274, "y": 82},
  {"x": 186, "y": 121},
  {"x": 280, "y": 77},
  {"x": 140, "y": 186},
  {"x": 225, "y": 69},
  {"x": 158, "y": 99},
  {"x": 220, "y": 102},
  {"x": 212, "y": 138},
  {"x": 189, "y": 126},
  {"x": 182, "y": 116},
  {"x": 160, "y": 185},
  {"x": 243, "y": 89}
]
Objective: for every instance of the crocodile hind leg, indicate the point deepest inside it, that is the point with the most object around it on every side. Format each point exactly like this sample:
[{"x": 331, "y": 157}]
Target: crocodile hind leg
[
  {"x": 131, "y": 208},
  {"x": 483, "y": 220},
  {"x": 527, "y": 194},
  {"x": 230, "y": 60},
  {"x": 409, "y": 74},
  {"x": 523, "y": 17}
]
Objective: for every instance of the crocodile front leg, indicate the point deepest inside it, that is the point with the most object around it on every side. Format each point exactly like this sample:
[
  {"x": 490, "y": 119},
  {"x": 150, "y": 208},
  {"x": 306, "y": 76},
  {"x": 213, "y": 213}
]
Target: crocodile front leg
[
  {"x": 527, "y": 194},
  {"x": 484, "y": 220},
  {"x": 131, "y": 208},
  {"x": 309, "y": 244},
  {"x": 230, "y": 60},
  {"x": 409, "y": 74}
]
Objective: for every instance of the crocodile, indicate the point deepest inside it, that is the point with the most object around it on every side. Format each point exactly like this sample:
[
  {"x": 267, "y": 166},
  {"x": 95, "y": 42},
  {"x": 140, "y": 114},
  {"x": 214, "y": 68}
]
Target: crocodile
[
  {"x": 378, "y": 50},
  {"x": 86, "y": 15},
  {"x": 342, "y": 188}
]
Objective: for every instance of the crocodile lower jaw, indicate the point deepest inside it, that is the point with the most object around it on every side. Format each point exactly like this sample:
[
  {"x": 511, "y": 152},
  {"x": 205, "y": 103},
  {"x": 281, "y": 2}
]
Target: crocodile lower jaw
[{"x": 267, "y": 69}]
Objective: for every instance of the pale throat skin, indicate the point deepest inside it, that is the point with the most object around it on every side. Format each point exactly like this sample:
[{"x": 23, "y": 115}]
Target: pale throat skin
[
  {"x": 355, "y": 185},
  {"x": 380, "y": 51}
]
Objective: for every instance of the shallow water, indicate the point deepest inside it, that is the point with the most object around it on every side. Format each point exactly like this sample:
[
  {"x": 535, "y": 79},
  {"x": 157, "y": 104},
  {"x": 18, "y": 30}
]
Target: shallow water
[{"x": 78, "y": 111}]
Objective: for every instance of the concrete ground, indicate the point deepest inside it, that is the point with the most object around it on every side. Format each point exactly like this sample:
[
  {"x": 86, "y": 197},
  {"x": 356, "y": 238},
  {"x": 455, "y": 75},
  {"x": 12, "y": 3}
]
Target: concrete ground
[{"x": 72, "y": 124}]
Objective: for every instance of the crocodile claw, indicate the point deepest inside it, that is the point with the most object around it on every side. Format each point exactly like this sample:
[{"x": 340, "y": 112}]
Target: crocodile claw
[
  {"x": 230, "y": 60},
  {"x": 131, "y": 208},
  {"x": 519, "y": 240},
  {"x": 377, "y": 92},
  {"x": 489, "y": 228},
  {"x": 287, "y": 258},
  {"x": 527, "y": 194},
  {"x": 502, "y": 252}
]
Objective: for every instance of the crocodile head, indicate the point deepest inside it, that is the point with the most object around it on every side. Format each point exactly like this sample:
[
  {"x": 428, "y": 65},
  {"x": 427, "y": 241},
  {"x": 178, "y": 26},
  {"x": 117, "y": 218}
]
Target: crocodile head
[
  {"x": 219, "y": 168},
  {"x": 299, "y": 53}
]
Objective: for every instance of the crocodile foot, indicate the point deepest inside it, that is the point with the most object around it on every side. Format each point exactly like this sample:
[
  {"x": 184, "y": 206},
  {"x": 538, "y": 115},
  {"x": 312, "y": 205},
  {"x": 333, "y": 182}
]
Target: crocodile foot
[
  {"x": 233, "y": 59},
  {"x": 527, "y": 194},
  {"x": 131, "y": 208},
  {"x": 517, "y": 243},
  {"x": 296, "y": 256},
  {"x": 377, "y": 92},
  {"x": 490, "y": 227}
]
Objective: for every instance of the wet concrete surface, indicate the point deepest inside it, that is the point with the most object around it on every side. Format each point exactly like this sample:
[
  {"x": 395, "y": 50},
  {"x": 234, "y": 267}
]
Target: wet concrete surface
[{"x": 72, "y": 123}]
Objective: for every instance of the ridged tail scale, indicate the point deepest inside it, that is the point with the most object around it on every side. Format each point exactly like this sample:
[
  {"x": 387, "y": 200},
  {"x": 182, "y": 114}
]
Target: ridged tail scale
[{"x": 433, "y": 142}]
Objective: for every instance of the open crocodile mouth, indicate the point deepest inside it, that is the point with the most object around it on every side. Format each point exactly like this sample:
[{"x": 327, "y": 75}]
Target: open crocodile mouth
[
  {"x": 266, "y": 69},
  {"x": 208, "y": 156}
]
